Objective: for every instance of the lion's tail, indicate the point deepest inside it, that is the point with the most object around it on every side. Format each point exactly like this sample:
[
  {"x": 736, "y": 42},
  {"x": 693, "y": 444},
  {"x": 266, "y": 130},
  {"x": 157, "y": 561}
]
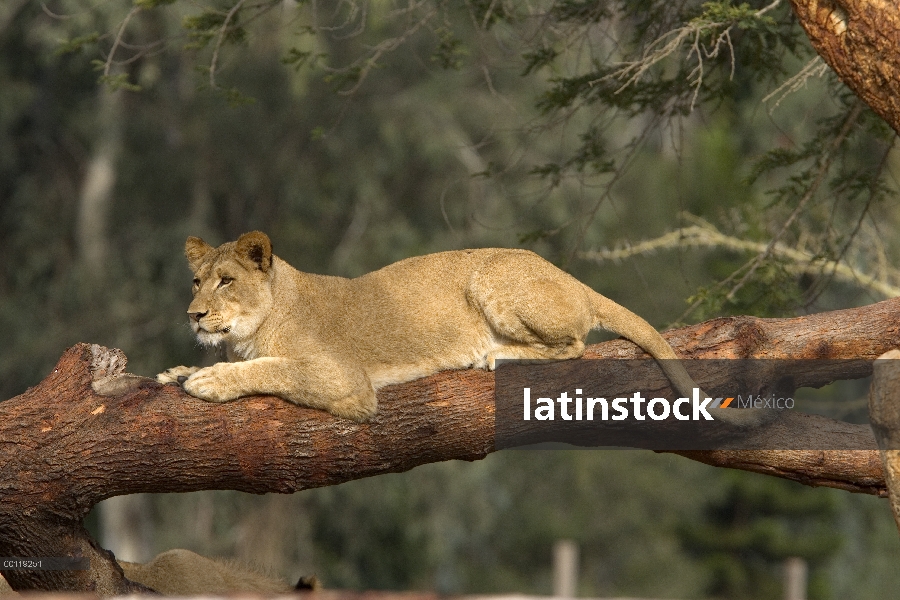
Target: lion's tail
[{"x": 616, "y": 318}]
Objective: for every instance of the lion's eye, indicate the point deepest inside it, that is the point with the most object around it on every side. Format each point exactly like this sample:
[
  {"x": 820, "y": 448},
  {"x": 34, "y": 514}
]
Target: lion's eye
[
  {"x": 196, "y": 281},
  {"x": 225, "y": 281}
]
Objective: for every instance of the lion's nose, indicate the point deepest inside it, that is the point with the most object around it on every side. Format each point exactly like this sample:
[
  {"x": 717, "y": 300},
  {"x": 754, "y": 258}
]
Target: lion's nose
[{"x": 196, "y": 316}]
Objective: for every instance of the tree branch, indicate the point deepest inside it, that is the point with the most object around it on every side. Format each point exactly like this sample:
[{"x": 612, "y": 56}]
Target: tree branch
[
  {"x": 858, "y": 39},
  {"x": 797, "y": 261},
  {"x": 89, "y": 431}
]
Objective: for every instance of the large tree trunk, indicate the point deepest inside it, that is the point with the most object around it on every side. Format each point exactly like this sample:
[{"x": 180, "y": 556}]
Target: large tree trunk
[
  {"x": 90, "y": 432},
  {"x": 859, "y": 39}
]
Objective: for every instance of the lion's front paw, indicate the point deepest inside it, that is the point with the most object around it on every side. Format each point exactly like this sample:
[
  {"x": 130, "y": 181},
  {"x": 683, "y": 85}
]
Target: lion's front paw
[
  {"x": 213, "y": 384},
  {"x": 177, "y": 375}
]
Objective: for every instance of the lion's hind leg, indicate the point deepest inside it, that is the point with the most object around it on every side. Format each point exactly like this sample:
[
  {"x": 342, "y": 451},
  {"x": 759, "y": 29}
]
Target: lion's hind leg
[
  {"x": 537, "y": 314},
  {"x": 533, "y": 353}
]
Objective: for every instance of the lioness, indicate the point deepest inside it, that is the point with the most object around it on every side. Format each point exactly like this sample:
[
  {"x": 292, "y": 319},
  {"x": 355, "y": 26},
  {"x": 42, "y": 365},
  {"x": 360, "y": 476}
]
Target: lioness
[{"x": 330, "y": 342}]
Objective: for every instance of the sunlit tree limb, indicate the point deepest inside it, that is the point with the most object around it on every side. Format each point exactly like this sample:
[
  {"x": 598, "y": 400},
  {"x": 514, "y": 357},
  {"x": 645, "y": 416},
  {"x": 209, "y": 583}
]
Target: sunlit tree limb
[{"x": 90, "y": 431}]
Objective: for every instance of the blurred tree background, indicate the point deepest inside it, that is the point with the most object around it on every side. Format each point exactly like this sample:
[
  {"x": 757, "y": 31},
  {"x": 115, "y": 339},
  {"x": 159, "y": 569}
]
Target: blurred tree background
[{"x": 687, "y": 159}]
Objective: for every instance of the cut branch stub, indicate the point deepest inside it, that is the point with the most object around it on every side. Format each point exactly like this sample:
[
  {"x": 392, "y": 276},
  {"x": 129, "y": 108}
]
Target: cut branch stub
[
  {"x": 148, "y": 437},
  {"x": 68, "y": 447}
]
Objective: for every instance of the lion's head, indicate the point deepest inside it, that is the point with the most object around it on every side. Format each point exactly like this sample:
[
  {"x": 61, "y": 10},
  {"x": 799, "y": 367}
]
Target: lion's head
[{"x": 232, "y": 287}]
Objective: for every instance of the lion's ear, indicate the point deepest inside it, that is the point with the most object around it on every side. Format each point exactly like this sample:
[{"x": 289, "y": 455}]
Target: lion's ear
[
  {"x": 256, "y": 247},
  {"x": 195, "y": 249}
]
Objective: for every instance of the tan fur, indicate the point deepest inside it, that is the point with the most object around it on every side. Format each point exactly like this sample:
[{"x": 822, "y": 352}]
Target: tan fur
[
  {"x": 185, "y": 573},
  {"x": 6, "y": 590},
  {"x": 330, "y": 342}
]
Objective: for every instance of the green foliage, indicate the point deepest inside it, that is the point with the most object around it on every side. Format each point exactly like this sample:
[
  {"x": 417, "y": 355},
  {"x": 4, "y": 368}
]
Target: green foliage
[
  {"x": 530, "y": 237},
  {"x": 303, "y": 58},
  {"x": 236, "y": 97},
  {"x": 666, "y": 62},
  {"x": 209, "y": 25},
  {"x": 345, "y": 77},
  {"x": 450, "y": 52},
  {"x": 489, "y": 12},
  {"x": 117, "y": 82},
  {"x": 592, "y": 153},
  {"x": 774, "y": 291},
  {"x": 537, "y": 59},
  {"x": 581, "y": 11},
  {"x": 742, "y": 16},
  {"x": 153, "y": 3},
  {"x": 778, "y": 158},
  {"x": 757, "y": 524},
  {"x": 550, "y": 171},
  {"x": 76, "y": 44}
]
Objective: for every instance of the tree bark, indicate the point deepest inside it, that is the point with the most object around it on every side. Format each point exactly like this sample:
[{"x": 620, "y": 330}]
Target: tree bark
[
  {"x": 884, "y": 412},
  {"x": 859, "y": 40},
  {"x": 90, "y": 431}
]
